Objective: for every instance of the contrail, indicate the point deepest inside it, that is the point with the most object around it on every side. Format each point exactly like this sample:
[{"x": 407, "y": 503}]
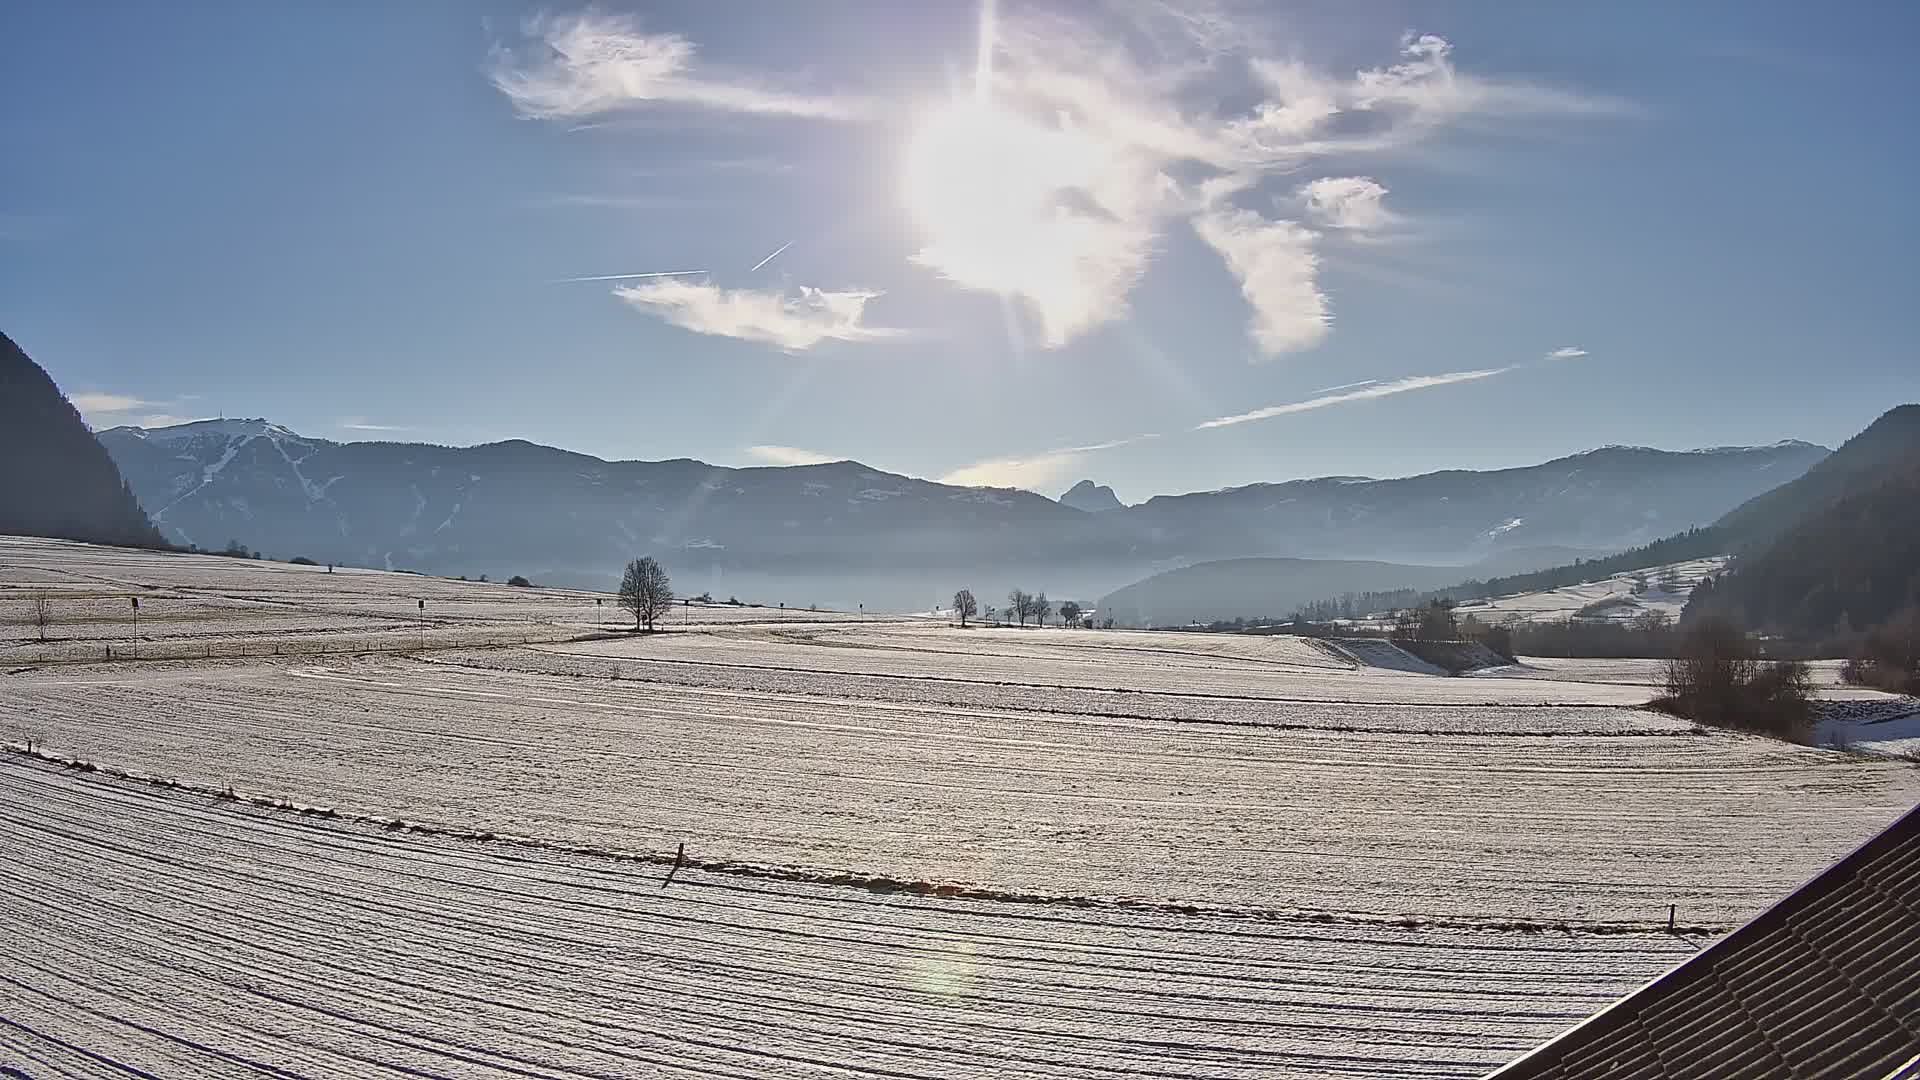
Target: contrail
[
  {"x": 623, "y": 277},
  {"x": 1343, "y": 386},
  {"x": 770, "y": 258}
]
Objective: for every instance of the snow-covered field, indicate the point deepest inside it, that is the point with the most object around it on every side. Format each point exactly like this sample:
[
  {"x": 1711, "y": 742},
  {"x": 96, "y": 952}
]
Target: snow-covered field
[
  {"x": 198, "y": 606},
  {"x": 916, "y": 851},
  {"x": 156, "y": 930},
  {"x": 1611, "y": 599}
]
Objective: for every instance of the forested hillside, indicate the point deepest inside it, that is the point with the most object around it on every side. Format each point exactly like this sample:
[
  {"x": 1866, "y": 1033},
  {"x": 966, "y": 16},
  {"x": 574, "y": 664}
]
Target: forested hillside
[
  {"x": 55, "y": 478},
  {"x": 1847, "y": 567}
]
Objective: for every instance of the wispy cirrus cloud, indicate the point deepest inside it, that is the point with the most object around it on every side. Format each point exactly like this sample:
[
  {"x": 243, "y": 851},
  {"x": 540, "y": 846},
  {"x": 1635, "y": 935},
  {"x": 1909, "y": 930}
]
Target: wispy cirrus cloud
[
  {"x": 1567, "y": 352},
  {"x": 110, "y": 403},
  {"x": 1275, "y": 264},
  {"x": 617, "y": 201},
  {"x": 361, "y": 423},
  {"x": 1354, "y": 203},
  {"x": 1377, "y": 390},
  {"x": 1055, "y": 179},
  {"x": 793, "y": 321},
  {"x": 104, "y": 410},
  {"x": 1035, "y": 472},
  {"x": 1096, "y": 147},
  {"x": 789, "y": 455},
  {"x": 576, "y": 66}
]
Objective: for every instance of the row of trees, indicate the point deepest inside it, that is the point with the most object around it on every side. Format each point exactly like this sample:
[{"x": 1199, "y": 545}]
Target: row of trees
[{"x": 1022, "y": 605}]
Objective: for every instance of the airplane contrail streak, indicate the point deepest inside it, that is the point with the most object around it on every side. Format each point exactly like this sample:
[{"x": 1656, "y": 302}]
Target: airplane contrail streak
[
  {"x": 624, "y": 277},
  {"x": 1344, "y": 386},
  {"x": 770, "y": 258}
]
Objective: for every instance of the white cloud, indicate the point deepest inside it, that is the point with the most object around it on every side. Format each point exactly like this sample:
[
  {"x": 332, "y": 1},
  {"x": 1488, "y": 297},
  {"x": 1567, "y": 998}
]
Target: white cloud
[
  {"x": 792, "y": 322},
  {"x": 105, "y": 410},
  {"x": 1567, "y": 352},
  {"x": 1054, "y": 181},
  {"x": 789, "y": 455},
  {"x": 1039, "y": 472},
  {"x": 1275, "y": 264},
  {"x": 1095, "y": 148},
  {"x": 110, "y": 403},
  {"x": 1378, "y": 390},
  {"x": 1309, "y": 113},
  {"x": 1349, "y": 202},
  {"x": 361, "y": 423},
  {"x": 590, "y": 63}
]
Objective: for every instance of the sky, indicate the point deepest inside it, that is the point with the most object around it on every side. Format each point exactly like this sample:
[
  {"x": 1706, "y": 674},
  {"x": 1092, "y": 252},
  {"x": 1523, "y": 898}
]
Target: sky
[{"x": 1168, "y": 247}]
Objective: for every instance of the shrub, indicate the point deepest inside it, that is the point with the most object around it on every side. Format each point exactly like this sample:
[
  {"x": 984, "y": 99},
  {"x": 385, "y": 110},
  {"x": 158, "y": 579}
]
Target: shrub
[
  {"x": 519, "y": 581},
  {"x": 302, "y": 560},
  {"x": 1889, "y": 656},
  {"x": 1715, "y": 677}
]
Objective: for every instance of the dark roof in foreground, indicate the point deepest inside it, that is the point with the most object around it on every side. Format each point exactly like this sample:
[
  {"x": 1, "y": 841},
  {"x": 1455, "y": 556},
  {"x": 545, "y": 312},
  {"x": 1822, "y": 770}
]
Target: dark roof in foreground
[{"x": 1826, "y": 983}]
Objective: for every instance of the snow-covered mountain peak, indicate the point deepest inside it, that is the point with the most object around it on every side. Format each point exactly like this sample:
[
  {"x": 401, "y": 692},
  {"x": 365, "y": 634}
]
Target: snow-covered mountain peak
[{"x": 228, "y": 428}]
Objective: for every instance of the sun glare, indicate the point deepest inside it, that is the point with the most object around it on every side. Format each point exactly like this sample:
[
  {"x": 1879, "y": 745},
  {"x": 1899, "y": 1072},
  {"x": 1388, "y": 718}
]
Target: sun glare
[{"x": 1001, "y": 201}]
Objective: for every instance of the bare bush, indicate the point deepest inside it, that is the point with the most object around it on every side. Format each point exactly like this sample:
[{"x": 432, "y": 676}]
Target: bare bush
[
  {"x": 41, "y": 606},
  {"x": 1888, "y": 657},
  {"x": 1716, "y": 677}
]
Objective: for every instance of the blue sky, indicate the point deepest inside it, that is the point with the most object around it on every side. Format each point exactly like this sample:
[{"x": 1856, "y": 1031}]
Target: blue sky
[{"x": 1168, "y": 248}]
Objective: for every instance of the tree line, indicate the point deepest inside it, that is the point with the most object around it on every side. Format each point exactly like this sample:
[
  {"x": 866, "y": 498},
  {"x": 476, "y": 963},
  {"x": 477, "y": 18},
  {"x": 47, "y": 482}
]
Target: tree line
[{"x": 1021, "y": 606}]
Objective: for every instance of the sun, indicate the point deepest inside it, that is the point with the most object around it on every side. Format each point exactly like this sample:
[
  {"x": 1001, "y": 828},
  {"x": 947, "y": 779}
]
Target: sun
[{"x": 992, "y": 194}]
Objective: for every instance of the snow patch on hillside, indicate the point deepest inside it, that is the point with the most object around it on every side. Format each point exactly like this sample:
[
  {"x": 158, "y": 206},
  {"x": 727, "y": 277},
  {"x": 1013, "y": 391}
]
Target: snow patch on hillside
[{"x": 1620, "y": 597}]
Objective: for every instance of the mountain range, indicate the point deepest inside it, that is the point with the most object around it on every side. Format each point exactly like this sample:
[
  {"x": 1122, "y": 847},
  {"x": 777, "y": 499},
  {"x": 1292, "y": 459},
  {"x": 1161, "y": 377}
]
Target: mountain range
[{"x": 843, "y": 533}]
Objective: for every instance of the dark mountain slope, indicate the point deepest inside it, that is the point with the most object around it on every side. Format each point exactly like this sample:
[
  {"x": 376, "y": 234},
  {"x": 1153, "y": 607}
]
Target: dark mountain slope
[
  {"x": 1852, "y": 565},
  {"x": 1275, "y": 588},
  {"x": 1611, "y": 498},
  {"x": 1864, "y": 476},
  {"x": 55, "y": 478},
  {"x": 1890, "y": 443}
]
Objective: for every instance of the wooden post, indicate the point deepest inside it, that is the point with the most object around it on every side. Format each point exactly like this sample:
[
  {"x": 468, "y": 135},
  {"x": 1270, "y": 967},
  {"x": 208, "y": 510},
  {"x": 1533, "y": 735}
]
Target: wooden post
[{"x": 1670, "y": 908}]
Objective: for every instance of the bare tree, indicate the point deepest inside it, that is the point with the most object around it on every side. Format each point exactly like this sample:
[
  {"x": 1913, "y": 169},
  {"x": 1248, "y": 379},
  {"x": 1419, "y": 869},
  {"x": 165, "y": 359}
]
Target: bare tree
[
  {"x": 1020, "y": 604},
  {"x": 1069, "y": 613},
  {"x": 965, "y": 606},
  {"x": 42, "y": 612},
  {"x": 1041, "y": 609},
  {"x": 646, "y": 591}
]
